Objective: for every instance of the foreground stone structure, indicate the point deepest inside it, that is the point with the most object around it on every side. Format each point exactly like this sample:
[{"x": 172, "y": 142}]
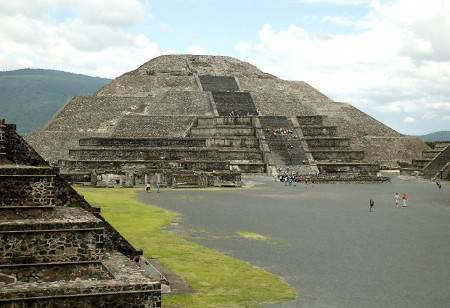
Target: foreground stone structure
[
  {"x": 56, "y": 250},
  {"x": 185, "y": 120}
]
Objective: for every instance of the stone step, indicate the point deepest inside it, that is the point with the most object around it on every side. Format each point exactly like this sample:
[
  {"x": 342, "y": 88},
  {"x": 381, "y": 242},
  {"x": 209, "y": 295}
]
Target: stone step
[{"x": 338, "y": 155}]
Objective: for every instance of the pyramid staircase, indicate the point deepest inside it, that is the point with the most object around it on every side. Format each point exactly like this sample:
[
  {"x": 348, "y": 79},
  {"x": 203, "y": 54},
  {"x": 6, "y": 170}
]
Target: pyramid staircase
[
  {"x": 56, "y": 250},
  {"x": 287, "y": 152}
]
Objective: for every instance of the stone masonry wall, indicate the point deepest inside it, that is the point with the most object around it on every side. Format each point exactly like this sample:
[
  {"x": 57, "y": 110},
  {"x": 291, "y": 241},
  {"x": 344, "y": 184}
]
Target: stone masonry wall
[
  {"x": 143, "y": 142},
  {"x": 148, "y": 126},
  {"x": 93, "y": 113},
  {"x": 117, "y": 300},
  {"x": 57, "y": 272},
  {"x": 34, "y": 190},
  {"x": 41, "y": 246},
  {"x": 15, "y": 148},
  {"x": 180, "y": 103},
  {"x": 146, "y": 85}
]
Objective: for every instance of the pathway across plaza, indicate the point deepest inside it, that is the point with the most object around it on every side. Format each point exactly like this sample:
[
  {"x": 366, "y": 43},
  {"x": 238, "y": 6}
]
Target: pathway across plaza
[{"x": 324, "y": 241}]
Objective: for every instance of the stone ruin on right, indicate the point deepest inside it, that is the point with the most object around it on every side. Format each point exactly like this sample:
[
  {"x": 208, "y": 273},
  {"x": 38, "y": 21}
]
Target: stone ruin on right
[{"x": 186, "y": 120}]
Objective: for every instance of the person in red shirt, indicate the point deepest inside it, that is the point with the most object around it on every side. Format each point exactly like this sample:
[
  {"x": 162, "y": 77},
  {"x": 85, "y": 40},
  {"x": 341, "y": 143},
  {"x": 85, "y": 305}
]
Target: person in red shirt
[{"x": 404, "y": 198}]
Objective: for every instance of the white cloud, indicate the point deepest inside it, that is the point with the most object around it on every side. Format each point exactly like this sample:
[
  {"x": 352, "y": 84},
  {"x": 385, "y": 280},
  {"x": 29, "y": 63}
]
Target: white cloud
[
  {"x": 196, "y": 50},
  {"x": 86, "y": 37},
  {"x": 409, "y": 120},
  {"x": 398, "y": 62}
]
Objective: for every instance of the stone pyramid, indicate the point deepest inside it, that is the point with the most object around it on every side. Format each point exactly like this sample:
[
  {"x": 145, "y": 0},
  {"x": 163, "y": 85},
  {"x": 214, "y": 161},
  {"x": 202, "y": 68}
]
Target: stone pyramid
[
  {"x": 203, "y": 114},
  {"x": 56, "y": 250}
]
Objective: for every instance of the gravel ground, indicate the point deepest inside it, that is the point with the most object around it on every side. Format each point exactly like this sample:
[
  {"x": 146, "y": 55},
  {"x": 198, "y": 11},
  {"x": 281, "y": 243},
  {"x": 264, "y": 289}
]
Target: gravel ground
[{"x": 324, "y": 241}]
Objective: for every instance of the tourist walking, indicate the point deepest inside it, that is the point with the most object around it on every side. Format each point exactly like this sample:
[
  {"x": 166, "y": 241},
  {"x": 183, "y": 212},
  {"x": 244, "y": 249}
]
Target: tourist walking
[
  {"x": 396, "y": 197},
  {"x": 148, "y": 187},
  {"x": 157, "y": 188},
  {"x": 438, "y": 184},
  {"x": 371, "y": 203},
  {"x": 404, "y": 198}
]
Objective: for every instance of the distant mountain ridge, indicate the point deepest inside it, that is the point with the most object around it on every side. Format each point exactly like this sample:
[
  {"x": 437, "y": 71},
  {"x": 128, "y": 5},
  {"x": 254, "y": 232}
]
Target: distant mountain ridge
[
  {"x": 436, "y": 136},
  {"x": 29, "y": 97}
]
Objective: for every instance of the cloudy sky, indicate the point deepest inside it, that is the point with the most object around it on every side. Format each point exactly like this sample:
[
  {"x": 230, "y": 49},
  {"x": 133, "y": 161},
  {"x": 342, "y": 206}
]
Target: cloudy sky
[{"x": 389, "y": 58}]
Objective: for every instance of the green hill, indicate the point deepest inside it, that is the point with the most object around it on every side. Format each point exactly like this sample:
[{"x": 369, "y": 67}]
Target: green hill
[
  {"x": 29, "y": 97},
  {"x": 436, "y": 136}
]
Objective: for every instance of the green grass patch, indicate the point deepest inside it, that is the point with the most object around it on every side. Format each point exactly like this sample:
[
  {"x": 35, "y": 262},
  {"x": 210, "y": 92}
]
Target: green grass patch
[
  {"x": 220, "y": 281},
  {"x": 253, "y": 236}
]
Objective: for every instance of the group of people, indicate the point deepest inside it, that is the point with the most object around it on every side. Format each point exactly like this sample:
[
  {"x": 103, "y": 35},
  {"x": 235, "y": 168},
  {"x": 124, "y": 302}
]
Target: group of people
[
  {"x": 396, "y": 200},
  {"x": 289, "y": 178},
  {"x": 282, "y": 131},
  {"x": 148, "y": 187}
]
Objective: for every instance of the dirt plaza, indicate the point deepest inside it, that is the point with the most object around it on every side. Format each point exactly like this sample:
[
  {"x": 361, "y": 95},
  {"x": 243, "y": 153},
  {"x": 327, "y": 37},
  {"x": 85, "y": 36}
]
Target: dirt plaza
[{"x": 324, "y": 241}]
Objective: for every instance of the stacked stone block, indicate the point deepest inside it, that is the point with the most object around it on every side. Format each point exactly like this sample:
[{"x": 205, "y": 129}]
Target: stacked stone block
[{"x": 53, "y": 255}]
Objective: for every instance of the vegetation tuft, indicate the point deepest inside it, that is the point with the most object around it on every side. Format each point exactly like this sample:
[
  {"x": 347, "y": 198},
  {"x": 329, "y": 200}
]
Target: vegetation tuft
[{"x": 220, "y": 281}]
